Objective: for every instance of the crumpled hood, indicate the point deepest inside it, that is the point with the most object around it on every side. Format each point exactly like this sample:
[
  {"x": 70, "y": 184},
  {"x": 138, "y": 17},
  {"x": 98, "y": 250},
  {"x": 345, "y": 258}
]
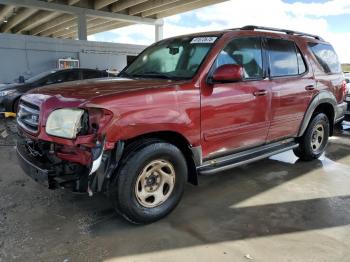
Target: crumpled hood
[{"x": 89, "y": 89}]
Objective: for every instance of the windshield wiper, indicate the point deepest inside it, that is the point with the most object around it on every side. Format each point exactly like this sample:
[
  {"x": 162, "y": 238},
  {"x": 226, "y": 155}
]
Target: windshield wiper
[
  {"x": 125, "y": 74},
  {"x": 153, "y": 75},
  {"x": 159, "y": 75}
]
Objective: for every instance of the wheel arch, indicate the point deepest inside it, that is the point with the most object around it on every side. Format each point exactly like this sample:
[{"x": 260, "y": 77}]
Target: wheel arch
[
  {"x": 191, "y": 154},
  {"x": 324, "y": 102}
]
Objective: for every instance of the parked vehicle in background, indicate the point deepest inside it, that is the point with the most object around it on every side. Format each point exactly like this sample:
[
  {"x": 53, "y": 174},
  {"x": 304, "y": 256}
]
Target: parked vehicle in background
[
  {"x": 188, "y": 105},
  {"x": 347, "y": 99},
  {"x": 10, "y": 94}
]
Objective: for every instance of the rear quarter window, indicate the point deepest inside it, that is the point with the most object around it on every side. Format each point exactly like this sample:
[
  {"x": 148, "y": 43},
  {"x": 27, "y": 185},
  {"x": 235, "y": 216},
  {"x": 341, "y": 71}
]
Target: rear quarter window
[{"x": 326, "y": 57}]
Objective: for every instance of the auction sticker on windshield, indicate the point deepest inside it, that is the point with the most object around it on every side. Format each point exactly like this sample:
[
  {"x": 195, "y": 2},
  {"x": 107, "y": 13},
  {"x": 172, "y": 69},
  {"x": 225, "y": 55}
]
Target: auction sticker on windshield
[{"x": 204, "y": 40}]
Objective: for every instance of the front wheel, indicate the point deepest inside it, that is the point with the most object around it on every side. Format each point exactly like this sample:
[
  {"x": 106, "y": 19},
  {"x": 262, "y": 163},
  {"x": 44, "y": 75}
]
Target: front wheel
[
  {"x": 314, "y": 141},
  {"x": 150, "y": 182}
]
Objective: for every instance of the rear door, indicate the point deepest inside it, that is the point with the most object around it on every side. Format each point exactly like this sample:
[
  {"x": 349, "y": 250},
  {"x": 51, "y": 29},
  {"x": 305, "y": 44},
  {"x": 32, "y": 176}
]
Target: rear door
[
  {"x": 235, "y": 115},
  {"x": 292, "y": 87}
]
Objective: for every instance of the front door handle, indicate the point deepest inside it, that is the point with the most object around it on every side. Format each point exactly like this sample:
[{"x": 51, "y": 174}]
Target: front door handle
[
  {"x": 309, "y": 87},
  {"x": 260, "y": 93}
]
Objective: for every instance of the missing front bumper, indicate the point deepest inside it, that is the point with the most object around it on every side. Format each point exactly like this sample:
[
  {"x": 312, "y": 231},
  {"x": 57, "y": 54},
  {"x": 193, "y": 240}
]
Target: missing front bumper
[
  {"x": 52, "y": 175},
  {"x": 34, "y": 169}
]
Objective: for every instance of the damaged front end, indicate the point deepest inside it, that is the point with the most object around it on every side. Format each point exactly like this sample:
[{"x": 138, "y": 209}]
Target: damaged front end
[{"x": 61, "y": 153}]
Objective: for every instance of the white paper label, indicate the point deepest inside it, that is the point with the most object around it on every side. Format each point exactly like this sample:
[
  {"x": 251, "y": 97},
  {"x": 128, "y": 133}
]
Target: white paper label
[{"x": 204, "y": 40}]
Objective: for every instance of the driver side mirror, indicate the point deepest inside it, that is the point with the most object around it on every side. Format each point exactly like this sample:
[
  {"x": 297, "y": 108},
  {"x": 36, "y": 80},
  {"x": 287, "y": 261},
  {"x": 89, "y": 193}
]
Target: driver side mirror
[
  {"x": 228, "y": 73},
  {"x": 347, "y": 80}
]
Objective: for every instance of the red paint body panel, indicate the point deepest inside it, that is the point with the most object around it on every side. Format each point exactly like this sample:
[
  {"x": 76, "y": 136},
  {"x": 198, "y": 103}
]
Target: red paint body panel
[
  {"x": 233, "y": 118},
  {"x": 218, "y": 117}
]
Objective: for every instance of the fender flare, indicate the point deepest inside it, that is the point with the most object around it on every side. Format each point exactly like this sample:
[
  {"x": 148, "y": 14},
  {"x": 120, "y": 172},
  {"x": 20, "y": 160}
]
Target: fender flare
[{"x": 323, "y": 97}]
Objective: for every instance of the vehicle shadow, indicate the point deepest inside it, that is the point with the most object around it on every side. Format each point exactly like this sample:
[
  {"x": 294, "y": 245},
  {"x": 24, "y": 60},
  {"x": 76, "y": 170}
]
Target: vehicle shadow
[{"x": 209, "y": 213}]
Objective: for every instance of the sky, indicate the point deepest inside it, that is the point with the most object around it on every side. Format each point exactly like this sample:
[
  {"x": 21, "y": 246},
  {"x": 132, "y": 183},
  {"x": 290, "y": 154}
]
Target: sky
[{"x": 329, "y": 19}]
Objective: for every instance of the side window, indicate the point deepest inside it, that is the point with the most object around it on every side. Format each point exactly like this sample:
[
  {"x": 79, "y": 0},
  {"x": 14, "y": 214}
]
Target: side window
[
  {"x": 301, "y": 63},
  {"x": 56, "y": 78},
  {"x": 245, "y": 52},
  {"x": 326, "y": 57},
  {"x": 60, "y": 77},
  {"x": 283, "y": 59},
  {"x": 88, "y": 74},
  {"x": 72, "y": 75}
]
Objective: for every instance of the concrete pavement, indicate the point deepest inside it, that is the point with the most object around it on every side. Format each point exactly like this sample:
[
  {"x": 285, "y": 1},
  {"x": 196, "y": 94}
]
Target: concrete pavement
[{"x": 278, "y": 209}]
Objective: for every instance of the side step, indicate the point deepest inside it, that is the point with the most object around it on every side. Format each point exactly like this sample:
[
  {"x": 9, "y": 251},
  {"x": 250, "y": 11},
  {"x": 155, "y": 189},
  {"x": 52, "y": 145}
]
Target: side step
[{"x": 227, "y": 162}]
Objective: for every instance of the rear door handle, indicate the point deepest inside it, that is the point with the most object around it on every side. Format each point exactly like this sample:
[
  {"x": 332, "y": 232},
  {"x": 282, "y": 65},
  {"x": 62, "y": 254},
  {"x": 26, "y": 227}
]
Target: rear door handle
[
  {"x": 260, "y": 93},
  {"x": 310, "y": 87}
]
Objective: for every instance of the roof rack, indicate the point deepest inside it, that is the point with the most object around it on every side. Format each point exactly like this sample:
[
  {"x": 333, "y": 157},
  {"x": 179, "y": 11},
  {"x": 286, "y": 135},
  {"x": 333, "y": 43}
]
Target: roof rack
[{"x": 288, "y": 32}]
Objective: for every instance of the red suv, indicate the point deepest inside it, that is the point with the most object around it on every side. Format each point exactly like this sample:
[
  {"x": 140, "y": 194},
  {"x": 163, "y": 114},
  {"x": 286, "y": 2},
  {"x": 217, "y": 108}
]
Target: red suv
[{"x": 188, "y": 105}]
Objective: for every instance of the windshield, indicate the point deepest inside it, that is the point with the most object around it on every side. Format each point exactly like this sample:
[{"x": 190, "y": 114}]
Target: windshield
[
  {"x": 177, "y": 58},
  {"x": 39, "y": 76}
]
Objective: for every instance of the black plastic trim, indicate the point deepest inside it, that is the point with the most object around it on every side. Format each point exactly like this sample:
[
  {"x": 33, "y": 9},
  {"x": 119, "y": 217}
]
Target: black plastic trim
[
  {"x": 197, "y": 155},
  {"x": 32, "y": 169},
  {"x": 244, "y": 157},
  {"x": 323, "y": 97},
  {"x": 286, "y": 31}
]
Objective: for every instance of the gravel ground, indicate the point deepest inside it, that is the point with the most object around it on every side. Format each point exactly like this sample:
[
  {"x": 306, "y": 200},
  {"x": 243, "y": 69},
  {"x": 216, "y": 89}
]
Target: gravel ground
[{"x": 7, "y": 131}]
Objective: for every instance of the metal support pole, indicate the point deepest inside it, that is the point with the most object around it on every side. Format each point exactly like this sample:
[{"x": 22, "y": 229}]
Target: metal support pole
[
  {"x": 159, "y": 27},
  {"x": 82, "y": 27}
]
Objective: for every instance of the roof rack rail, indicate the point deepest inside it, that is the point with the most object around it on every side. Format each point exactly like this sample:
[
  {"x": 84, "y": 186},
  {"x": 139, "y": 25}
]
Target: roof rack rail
[{"x": 288, "y": 32}]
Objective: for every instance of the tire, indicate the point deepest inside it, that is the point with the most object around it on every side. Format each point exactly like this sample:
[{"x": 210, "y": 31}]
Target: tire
[
  {"x": 314, "y": 141},
  {"x": 163, "y": 187},
  {"x": 15, "y": 105}
]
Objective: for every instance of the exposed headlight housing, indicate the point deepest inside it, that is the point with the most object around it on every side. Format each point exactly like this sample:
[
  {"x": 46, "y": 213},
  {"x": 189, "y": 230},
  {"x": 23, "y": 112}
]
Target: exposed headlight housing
[
  {"x": 65, "y": 122},
  {"x": 7, "y": 92}
]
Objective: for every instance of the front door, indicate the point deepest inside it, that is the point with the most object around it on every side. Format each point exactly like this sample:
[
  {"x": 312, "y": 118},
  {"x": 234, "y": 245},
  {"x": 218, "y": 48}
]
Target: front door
[{"x": 235, "y": 115}]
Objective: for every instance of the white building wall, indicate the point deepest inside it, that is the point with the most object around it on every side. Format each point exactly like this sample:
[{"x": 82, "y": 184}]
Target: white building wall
[{"x": 30, "y": 55}]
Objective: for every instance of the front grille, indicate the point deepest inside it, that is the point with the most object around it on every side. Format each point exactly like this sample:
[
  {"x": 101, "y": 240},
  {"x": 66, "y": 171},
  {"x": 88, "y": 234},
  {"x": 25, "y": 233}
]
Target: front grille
[{"x": 28, "y": 116}]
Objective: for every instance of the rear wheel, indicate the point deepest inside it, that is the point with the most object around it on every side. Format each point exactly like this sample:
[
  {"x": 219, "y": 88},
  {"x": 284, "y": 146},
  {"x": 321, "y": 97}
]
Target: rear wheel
[
  {"x": 314, "y": 141},
  {"x": 150, "y": 182}
]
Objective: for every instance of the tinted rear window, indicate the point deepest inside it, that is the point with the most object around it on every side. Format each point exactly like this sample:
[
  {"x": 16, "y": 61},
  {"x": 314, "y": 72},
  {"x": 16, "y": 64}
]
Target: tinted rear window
[{"x": 326, "y": 56}]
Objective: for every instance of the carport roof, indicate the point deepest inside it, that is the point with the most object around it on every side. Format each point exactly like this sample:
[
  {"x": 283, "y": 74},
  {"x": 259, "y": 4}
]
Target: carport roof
[{"x": 63, "y": 18}]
